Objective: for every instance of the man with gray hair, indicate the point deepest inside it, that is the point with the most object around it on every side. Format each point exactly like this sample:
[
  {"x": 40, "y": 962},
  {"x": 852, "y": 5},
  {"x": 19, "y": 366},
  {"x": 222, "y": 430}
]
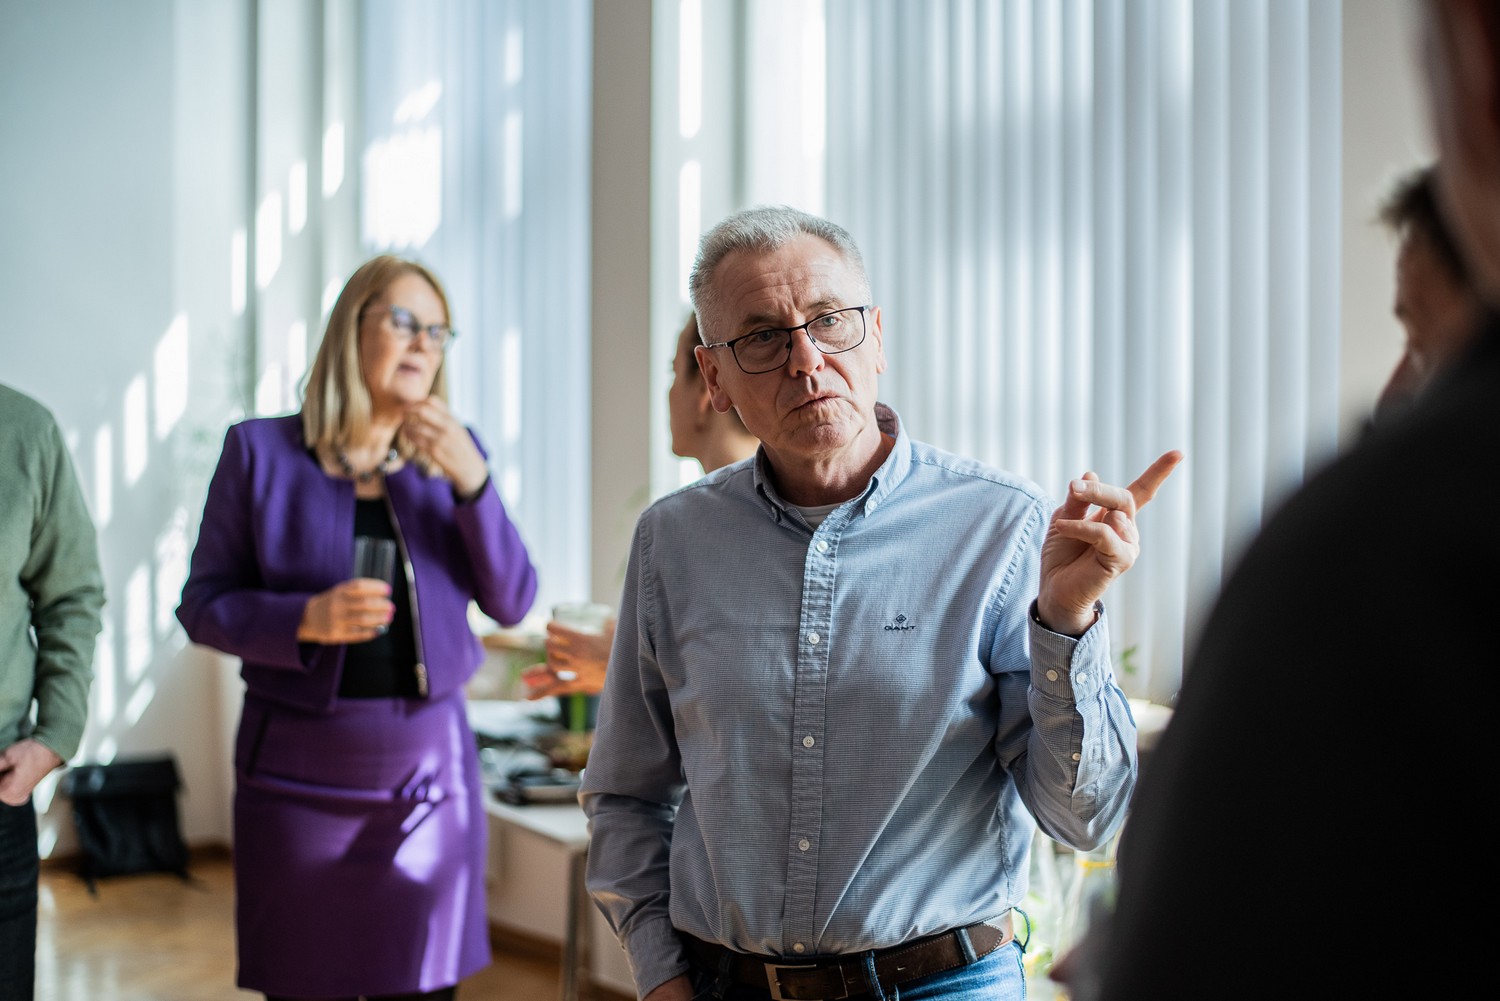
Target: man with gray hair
[{"x": 851, "y": 675}]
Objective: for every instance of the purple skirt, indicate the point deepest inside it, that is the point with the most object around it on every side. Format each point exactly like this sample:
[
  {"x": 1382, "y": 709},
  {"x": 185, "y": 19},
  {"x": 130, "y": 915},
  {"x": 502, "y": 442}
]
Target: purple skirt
[{"x": 359, "y": 848}]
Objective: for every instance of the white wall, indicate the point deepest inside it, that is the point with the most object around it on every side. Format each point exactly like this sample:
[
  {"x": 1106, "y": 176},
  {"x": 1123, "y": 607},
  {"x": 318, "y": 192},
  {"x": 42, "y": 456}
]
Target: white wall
[
  {"x": 123, "y": 176},
  {"x": 127, "y": 180}
]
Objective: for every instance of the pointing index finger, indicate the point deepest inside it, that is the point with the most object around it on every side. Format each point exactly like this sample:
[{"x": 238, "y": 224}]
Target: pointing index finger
[{"x": 1145, "y": 486}]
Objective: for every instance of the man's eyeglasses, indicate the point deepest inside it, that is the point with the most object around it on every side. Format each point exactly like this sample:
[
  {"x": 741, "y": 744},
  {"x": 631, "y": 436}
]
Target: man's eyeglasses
[
  {"x": 767, "y": 350},
  {"x": 407, "y": 328}
]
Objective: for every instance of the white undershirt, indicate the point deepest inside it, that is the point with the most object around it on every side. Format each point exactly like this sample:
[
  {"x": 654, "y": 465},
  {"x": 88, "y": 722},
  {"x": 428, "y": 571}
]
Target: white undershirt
[{"x": 816, "y": 512}]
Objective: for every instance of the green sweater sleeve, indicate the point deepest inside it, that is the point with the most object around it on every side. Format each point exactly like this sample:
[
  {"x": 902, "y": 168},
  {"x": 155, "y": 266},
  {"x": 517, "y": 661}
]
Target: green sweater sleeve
[{"x": 48, "y": 542}]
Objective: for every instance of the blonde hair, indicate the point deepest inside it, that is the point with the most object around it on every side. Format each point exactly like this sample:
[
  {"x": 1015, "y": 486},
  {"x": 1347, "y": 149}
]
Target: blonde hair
[{"x": 335, "y": 399}]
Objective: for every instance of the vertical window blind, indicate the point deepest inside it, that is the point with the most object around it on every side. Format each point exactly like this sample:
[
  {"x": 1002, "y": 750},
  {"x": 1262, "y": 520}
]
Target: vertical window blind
[{"x": 1099, "y": 230}]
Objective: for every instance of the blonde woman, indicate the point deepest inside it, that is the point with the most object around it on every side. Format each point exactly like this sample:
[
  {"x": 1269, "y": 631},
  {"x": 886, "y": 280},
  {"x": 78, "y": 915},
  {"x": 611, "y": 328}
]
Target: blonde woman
[{"x": 359, "y": 836}]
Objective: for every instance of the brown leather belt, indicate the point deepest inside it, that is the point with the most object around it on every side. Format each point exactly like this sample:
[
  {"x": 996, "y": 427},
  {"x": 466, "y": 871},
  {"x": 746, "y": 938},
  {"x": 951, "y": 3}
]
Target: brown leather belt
[{"x": 846, "y": 976}]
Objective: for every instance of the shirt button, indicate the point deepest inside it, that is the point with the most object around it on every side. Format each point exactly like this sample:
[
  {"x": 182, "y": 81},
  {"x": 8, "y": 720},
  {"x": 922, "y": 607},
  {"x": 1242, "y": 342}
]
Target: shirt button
[
  {"x": 813, "y": 638},
  {"x": 798, "y": 947},
  {"x": 871, "y": 506},
  {"x": 1051, "y": 675},
  {"x": 1081, "y": 676},
  {"x": 808, "y": 741},
  {"x": 1077, "y": 756},
  {"x": 804, "y": 845},
  {"x": 822, "y": 545}
]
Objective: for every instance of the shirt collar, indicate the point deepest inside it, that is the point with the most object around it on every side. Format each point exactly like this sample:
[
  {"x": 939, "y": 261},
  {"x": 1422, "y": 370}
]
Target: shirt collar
[{"x": 891, "y": 472}]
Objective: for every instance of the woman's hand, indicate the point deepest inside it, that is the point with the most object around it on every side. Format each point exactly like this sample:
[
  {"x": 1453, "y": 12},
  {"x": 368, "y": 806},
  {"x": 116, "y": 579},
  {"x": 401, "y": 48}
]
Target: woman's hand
[
  {"x": 432, "y": 428},
  {"x": 575, "y": 664},
  {"x": 355, "y": 611}
]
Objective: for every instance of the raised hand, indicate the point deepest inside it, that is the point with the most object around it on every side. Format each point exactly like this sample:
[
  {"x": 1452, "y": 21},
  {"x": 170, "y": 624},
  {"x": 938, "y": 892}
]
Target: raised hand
[
  {"x": 1091, "y": 540},
  {"x": 432, "y": 428}
]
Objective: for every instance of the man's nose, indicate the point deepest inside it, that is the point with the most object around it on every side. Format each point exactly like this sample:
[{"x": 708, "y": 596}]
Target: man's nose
[{"x": 804, "y": 356}]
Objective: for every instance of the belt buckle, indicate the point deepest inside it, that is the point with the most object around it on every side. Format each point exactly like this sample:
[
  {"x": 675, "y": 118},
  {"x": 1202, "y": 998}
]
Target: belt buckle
[{"x": 773, "y": 980}]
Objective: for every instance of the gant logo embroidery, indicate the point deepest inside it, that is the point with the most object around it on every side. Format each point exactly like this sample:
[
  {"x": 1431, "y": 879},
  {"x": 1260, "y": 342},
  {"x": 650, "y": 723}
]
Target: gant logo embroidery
[{"x": 900, "y": 624}]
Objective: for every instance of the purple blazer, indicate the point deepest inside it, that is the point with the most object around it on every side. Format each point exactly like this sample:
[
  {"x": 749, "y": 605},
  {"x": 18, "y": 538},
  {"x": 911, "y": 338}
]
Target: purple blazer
[{"x": 277, "y": 530}]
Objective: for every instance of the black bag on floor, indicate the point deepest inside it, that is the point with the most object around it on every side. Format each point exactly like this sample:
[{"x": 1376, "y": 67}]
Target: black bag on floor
[{"x": 126, "y": 816}]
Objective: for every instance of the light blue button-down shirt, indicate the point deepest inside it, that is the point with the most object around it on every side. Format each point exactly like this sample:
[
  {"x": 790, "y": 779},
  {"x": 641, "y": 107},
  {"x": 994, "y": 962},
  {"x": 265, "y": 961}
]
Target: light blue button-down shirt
[{"x": 823, "y": 741}]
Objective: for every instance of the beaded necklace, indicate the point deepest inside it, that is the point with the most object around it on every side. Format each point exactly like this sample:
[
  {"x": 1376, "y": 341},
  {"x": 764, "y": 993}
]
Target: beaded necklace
[{"x": 369, "y": 474}]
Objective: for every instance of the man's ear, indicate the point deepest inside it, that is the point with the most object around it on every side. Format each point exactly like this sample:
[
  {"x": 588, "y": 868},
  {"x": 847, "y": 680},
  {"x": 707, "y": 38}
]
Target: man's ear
[
  {"x": 879, "y": 335},
  {"x": 708, "y": 364}
]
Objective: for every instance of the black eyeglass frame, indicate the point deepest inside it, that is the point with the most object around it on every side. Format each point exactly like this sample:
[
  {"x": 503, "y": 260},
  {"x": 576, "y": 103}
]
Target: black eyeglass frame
[
  {"x": 790, "y": 331},
  {"x": 405, "y": 321}
]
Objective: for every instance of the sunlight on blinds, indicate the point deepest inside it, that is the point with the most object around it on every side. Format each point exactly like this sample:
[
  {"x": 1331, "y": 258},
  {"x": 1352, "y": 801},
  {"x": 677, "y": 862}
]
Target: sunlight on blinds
[{"x": 1093, "y": 232}]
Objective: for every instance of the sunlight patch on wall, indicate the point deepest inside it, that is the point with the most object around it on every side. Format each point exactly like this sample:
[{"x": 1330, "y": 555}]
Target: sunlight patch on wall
[
  {"x": 104, "y": 482},
  {"x": 135, "y": 428},
  {"x": 296, "y": 197},
  {"x": 331, "y": 295},
  {"x": 138, "y": 635},
  {"x": 689, "y": 221},
  {"x": 268, "y": 390},
  {"x": 47, "y": 837},
  {"x": 815, "y": 112},
  {"x": 403, "y": 191},
  {"x": 104, "y": 694},
  {"x": 140, "y": 699},
  {"x": 510, "y": 373},
  {"x": 510, "y": 184},
  {"x": 418, "y": 104},
  {"x": 690, "y": 68},
  {"x": 515, "y": 51},
  {"x": 237, "y": 253},
  {"x": 333, "y": 159},
  {"x": 510, "y": 486},
  {"x": 46, "y": 791},
  {"x": 171, "y": 570},
  {"x": 170, "y": 369},
  {"x": 267, "y": 239},
  {"x": 296, "y": 360}
]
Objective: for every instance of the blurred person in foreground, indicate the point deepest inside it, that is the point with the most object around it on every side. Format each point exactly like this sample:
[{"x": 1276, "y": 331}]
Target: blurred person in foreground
[
  {"x": 51, "y": 595},
  {"x": 1310, "y": 809},
  {"x": 1435, "y": 300},
  {"x": 576, "y": 661},
  {"x": 851, "y": 675},
  {"x": 359, "y": 827}
]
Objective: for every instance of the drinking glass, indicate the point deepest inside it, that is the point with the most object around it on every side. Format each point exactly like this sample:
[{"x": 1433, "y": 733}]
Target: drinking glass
[{"x": 375, "y": 558}]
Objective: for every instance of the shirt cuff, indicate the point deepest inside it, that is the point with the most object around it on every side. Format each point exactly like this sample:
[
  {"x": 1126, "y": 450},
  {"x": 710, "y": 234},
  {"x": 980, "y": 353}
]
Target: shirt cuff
[{"x": 1064, "y": 666}]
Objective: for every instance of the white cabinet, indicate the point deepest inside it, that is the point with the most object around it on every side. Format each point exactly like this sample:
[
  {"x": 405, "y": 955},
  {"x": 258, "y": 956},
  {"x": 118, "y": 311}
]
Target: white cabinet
[{"x": 532, "y": 854}]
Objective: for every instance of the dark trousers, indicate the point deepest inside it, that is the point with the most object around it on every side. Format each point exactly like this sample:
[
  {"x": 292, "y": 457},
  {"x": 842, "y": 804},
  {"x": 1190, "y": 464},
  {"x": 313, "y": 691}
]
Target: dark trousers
[{"x": 19, "y": 871}]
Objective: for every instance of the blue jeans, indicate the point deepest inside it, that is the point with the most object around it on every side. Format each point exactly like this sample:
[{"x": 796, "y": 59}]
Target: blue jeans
[
  {"x": 19, "y": 871},
  {"x": 996, "y": 977}
]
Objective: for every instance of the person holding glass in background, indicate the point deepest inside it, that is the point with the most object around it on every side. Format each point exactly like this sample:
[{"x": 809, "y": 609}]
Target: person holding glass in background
[
  {"x": 576, "y": 659},
  {"x": 359, "y": 830}
]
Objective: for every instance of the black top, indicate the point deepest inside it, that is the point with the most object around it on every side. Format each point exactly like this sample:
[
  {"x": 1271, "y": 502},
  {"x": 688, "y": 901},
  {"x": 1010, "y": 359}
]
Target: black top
[{"x": 386, "y": 666}]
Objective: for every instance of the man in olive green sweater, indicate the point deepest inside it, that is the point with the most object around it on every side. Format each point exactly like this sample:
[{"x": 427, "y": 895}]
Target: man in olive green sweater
[{"x": 51, "y": 592}]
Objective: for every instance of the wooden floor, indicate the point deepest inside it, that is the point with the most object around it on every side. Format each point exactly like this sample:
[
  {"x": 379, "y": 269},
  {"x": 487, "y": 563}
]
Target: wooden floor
[{"x": 155, "y": 938}]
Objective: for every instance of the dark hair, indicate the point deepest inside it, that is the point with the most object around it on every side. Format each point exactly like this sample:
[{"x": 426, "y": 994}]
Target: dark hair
[{"x": 1412, "y": 208}]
